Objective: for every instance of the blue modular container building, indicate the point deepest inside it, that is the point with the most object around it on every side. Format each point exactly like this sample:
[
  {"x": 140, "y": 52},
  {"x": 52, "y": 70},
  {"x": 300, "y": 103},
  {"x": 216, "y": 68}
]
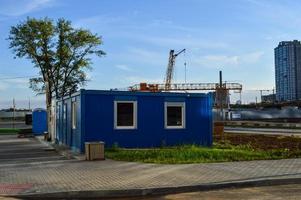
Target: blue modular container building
[
  {"x": 39, "y": 121},
  {"x": 134, "y": 119}
]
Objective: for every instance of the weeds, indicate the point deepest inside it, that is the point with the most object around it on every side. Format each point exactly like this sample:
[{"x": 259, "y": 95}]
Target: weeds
[{"x": 197, "y": 154}]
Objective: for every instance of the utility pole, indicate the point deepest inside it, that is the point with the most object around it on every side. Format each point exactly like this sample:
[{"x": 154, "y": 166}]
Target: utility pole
[
  {"x": 220, "y": 94},
  {"x": 274, "y": 97},
  {"x": 185, "y": 71},
  {"x": 185, "y": 66}
]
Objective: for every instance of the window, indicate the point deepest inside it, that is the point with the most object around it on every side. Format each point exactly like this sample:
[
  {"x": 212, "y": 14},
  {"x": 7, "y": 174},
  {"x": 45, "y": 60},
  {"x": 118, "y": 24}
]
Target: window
[
  {"x": 64, "y": 111},
  {"x": 125, "y": 114},
  {"x": 74, "y": 113},
  {"x": 174, "y": 115},
  {"x": 58, "y": 112}
]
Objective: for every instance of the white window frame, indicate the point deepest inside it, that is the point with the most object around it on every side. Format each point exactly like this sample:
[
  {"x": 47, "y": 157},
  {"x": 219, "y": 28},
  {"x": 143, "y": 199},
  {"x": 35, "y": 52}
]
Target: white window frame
[
  {"x": 64, "y": 112},
  {"x": 58, "y": 112},
  {"x": 180, "y": 104},
  {"x": 134, "y": 115},
  {"x": 74, "y": 114}
]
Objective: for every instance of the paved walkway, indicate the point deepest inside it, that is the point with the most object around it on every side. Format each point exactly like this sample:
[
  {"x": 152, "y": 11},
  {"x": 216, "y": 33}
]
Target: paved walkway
[
  {"x": 72, "y": 175},
  {"x": 15, "y": 150}
]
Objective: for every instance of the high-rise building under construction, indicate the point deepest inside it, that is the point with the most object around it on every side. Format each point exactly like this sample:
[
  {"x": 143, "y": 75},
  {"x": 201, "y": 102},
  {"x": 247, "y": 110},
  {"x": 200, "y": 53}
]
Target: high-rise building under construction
[{"x": 288, "y": 71}]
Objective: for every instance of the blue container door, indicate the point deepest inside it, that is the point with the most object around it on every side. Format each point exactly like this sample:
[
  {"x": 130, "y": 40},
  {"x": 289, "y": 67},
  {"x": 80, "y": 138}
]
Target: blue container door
[
  {"x": 39, "y": 121},
  {"x": 73, "y": 124},
  {"x": 58, "y": 122},
  {"x": 64, "y": 131}
]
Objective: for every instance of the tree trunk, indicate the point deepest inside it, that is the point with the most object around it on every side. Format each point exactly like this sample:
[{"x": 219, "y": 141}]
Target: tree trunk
[{"x": 48, "y": 106}]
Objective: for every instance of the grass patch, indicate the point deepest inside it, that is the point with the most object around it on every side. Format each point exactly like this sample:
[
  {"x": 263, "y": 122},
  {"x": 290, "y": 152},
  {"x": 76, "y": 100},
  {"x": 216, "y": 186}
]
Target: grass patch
[
  {"x": 9, "y": 131},
  {"x": 197, "y": 154}
]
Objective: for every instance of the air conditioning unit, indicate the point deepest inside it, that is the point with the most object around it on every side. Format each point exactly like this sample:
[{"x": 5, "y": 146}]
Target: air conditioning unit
[{"x": 95, "y": 150}]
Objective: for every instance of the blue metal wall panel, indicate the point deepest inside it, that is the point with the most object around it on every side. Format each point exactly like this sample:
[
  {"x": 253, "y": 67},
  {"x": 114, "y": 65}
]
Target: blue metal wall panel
[
  {"x": 58, "y": 121},
  {"x": 150, "y": 132},
  {"x": 64, "y": 132},
  {"x": 96, "y": 120},
  {"x": 76, "y": 133}
]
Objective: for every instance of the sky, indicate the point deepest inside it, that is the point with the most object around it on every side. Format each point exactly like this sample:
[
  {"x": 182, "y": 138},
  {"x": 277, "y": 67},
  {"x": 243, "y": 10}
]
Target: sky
[{"x": 235, "y": 36}]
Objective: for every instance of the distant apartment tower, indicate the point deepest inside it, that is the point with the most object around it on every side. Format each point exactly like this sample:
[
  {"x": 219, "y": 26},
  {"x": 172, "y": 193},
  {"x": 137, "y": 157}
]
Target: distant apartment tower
[{"x": 288, "y": 71}]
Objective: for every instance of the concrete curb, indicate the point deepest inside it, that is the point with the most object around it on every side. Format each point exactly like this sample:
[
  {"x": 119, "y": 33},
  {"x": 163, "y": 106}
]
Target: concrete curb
[
  {"x": 63, "y": 151},
  {"x": 160, "y": 191}
]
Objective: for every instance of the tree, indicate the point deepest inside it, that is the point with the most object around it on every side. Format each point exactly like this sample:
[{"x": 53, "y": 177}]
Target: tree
[{"x": 60, "y": 52}]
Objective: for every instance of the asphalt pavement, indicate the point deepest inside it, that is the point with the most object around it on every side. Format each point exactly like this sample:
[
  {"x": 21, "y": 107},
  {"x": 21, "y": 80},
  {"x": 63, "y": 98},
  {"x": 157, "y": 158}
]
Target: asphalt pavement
[
  {"x": 15, "y": 150},
  {"x": 264, "y": 131},
  {"x": 16, "y": 124}
]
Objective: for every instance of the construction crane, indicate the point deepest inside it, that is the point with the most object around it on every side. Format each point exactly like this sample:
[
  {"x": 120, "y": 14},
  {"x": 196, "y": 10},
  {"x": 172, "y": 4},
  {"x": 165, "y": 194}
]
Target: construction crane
[
  {"x": 221, "y": 89},
  {"x": 170, "y": 68}
]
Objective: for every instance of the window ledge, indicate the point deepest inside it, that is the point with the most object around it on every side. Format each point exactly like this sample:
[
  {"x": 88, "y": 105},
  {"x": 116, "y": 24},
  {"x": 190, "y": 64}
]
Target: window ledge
[
  {"x": 125, "y": 128},
  {"x": 174, "y": 127}
]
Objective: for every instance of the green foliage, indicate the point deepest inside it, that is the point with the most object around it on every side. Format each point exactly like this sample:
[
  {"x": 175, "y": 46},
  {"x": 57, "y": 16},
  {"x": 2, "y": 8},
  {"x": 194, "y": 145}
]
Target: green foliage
[
  {"x": 115, "y": 146},
  {"x": 9, "y": 131},
  {"x": 61, "y": 52},
  {"x": 198, "y": 154}
]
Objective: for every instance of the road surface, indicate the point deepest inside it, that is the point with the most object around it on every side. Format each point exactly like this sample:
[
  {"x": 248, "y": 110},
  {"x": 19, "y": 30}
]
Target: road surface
[
  {"x": 264, "y": 131},
  {"x": 15, "y": 150},
  {"x": 17, "y": 124}
]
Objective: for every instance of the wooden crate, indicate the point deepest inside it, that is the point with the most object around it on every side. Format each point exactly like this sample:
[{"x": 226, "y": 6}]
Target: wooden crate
[{"x": 94, "y": 151}]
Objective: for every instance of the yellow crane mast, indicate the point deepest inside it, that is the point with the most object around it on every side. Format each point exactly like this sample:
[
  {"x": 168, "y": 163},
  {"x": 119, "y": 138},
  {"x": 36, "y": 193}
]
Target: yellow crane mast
[{"x": 170, "y": 68}]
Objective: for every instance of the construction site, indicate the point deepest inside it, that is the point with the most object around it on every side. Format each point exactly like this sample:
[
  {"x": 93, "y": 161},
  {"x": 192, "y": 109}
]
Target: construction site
[
  {"x": 265, "y": 108},
  {"x": 219, "y": 90}
]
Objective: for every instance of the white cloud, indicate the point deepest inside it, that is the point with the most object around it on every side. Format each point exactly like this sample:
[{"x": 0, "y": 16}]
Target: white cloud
[
  {"x": 144, "y": 56},
  {"x": 21, "y": 7},
  {"x": 139, "y": 79},
  {"x": 279, "y": 13},
  {"x": 187, "y": 42},
  {"x": 222, "y": 59},
  {"x": 123, "y": 67},
  {"x": 217, "y": 61},
  {"x": 251, "y": 57},
  {"x": 21, "y": 83},
  {"x": 3, "y": 87},
  {"x": 35, "y": 102},
  {"x": 118, "y": 27},
  {"x": 141, "y": 52},
  {"x": 98, "y": 21},
  {"x": 257, "y": 3}
]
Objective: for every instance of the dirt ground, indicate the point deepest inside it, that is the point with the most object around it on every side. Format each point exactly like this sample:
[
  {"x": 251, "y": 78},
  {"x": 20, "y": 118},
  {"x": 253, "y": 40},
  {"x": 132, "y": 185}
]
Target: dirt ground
[{"x": 262, "y": 142}]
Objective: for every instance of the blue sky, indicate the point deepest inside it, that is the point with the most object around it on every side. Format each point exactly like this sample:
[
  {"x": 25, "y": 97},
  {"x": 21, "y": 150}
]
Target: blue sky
[{"x": 236, "y": 36}]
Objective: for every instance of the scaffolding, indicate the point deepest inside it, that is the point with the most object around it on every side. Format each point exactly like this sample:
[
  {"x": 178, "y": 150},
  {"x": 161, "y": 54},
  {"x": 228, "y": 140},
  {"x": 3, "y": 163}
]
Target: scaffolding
[{"x": 185, "y": 86}]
